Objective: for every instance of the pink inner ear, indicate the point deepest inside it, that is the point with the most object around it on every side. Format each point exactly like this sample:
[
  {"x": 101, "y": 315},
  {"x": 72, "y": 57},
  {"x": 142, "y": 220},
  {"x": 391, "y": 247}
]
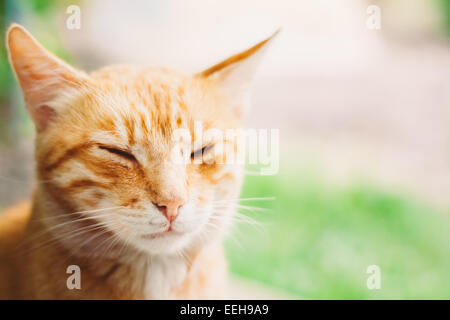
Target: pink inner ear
[{"x": 43, "y": 115}]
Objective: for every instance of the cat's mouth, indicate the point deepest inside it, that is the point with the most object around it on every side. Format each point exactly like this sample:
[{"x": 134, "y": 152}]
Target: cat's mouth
[{"x": 156, "y": 235}]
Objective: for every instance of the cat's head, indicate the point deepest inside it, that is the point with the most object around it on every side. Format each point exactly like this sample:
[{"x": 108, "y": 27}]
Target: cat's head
[{"x": 107, "y": 152}]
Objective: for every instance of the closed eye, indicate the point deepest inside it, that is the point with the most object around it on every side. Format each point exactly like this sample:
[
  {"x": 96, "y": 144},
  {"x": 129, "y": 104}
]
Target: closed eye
[
  {"x": 201, "y": 151},
  {"x": 122, "y": 153}
]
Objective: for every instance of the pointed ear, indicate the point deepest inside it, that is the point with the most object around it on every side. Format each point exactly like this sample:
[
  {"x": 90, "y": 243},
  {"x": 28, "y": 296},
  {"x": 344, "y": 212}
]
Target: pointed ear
[
  {"x": 41, "y": 75},
  {"x": 236, "y": 73}
]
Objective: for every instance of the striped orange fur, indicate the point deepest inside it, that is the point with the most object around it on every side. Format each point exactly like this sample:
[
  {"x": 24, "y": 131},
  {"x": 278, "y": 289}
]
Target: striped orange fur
[{"x": 108, "y": 197}]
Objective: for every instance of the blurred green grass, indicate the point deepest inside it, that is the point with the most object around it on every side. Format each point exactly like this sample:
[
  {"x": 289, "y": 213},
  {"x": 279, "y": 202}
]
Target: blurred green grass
[{"x": 320, "y": 238}]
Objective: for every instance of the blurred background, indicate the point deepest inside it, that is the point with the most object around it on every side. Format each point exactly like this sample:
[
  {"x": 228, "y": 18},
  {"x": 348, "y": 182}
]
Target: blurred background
[{"x": 364, "y": 120}]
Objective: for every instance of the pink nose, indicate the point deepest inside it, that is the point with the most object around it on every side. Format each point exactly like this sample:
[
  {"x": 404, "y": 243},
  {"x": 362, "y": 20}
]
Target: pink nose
[{"x": 170, "y": 208}]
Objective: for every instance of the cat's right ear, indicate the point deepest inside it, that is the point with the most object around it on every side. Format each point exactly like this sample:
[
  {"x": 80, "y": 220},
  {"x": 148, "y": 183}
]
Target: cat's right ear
[
  {"x": 41, "y": 75},
  {"x": 235, "y": 74}
]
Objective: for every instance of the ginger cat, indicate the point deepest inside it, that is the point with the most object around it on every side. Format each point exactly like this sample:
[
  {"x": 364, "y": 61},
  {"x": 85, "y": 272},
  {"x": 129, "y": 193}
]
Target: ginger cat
[{"x": 109, "y": 197}]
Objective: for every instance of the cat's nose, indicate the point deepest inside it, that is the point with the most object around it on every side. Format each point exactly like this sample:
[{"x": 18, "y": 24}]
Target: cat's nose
[{"x": 170, "y": 208}]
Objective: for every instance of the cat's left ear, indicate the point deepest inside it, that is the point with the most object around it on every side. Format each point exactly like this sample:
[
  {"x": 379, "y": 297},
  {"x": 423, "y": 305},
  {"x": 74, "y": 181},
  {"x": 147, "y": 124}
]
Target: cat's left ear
[
  {"x": 236, "y": 73},
  {"x": 42, "y": 76}
]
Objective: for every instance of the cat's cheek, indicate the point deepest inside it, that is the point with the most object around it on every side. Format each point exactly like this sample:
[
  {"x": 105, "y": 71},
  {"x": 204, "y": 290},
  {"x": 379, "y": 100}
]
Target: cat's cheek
[{"x": 92, "y": 198}]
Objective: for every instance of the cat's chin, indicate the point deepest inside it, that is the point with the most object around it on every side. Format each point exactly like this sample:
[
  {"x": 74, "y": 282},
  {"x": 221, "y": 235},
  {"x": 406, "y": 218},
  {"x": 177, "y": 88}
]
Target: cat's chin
[{"x": 162, "y": 242}]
